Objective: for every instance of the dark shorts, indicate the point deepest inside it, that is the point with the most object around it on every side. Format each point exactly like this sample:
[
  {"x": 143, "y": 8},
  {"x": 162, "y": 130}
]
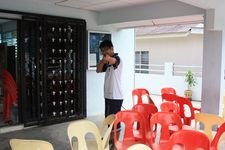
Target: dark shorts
[{"x": 113, "y": 106}]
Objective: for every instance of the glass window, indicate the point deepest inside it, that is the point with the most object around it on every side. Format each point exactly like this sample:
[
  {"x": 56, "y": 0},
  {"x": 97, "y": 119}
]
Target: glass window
[
  {"x": 11, "y": 39},
  {"x": 142, "y": 62}
]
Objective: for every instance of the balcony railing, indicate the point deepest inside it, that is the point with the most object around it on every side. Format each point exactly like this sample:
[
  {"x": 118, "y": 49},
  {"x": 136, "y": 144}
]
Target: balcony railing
[{"x": 167, "y": 68}]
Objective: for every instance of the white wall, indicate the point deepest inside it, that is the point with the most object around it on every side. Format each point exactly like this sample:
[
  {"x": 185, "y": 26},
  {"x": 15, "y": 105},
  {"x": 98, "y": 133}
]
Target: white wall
[
  {"x": 123, "y": 41},
  {"x": 154, "y": 83},
  {"x": 185, "y": 50}
]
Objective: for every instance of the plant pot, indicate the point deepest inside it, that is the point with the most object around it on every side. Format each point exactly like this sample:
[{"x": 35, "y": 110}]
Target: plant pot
[{"x": 188, "y": 94}]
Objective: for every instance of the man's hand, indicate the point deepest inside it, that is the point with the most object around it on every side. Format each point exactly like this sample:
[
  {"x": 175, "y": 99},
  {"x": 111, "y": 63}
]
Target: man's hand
[{"x": 106, "y": 58}]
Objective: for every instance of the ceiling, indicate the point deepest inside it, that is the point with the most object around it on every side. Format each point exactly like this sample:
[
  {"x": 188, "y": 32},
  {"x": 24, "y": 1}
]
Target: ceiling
[
  {"x": 104, "y": 5},
  {"x": 100, "y": 5}
]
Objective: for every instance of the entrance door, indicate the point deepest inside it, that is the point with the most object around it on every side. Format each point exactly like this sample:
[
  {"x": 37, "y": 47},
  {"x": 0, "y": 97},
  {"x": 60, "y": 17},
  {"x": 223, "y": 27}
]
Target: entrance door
[
  {"x": 53, "y": 69},
  {"x": 30, "y": 73}
]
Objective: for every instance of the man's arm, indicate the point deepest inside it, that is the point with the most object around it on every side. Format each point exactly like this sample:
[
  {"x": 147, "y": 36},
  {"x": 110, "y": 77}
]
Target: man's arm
[
  {"x": 110, "y": 60},
  {"x": 100, "y": 66}
]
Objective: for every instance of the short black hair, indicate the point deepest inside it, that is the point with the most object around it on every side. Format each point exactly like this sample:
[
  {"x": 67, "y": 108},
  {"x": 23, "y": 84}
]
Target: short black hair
[{"x": 106, "y": 43}]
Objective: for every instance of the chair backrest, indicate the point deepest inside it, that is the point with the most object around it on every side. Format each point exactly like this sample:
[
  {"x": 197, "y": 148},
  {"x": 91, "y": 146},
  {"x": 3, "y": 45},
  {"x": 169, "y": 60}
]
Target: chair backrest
[
  {"x": 107, "y": 126},
  {"x": 168, "y": 90},
  {"x": 146, "y": 110},
  {"x": 189, "y": 140},
  {"x": 139, "y": 147},
  {"x": 80, "y": 129},
  {"x": 208, "y": 120},
  {"x": 165, "y": 119},
  {"x": 22, "y": 144},
  {"x": 129, "y": 118},
  {"x": 107, "y": 122},
  {"x": 169, "y": 107},
  {"x": 140, "y": 93},
  {"x": 219, "y": 133},
  {"x": 169, "y": 97}
]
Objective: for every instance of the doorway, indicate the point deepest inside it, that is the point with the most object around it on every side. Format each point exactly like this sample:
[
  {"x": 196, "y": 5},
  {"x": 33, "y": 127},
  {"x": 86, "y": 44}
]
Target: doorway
[{"x": 8, "y": 73}]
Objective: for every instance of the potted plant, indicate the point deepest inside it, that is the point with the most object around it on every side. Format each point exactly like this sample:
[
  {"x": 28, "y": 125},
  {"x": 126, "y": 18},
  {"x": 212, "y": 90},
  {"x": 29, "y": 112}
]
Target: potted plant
[{"x": 191, "y": 81}]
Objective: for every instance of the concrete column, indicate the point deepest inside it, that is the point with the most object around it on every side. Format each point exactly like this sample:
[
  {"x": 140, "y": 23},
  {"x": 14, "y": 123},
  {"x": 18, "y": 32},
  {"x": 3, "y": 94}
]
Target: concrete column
[{"x": 213, "y": 83}]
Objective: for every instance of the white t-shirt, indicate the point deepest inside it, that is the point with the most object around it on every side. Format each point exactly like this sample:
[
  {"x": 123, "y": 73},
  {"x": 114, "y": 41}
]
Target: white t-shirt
[{"x": 112, "y": 86}]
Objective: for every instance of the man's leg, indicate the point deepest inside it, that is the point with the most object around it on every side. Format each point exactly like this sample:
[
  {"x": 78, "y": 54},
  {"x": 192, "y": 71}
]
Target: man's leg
[{"x": 114, "y": 106}]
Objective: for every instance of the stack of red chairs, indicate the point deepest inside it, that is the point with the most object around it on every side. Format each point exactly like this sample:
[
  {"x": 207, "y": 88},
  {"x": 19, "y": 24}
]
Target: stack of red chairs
[
  {"x": 147, "y": 110},
  {"x": 163, "y": 120},
  {"x": 129, "y": 118},
  {"x": 182, "y": 102},
  {"x": 10, "y": 95}
]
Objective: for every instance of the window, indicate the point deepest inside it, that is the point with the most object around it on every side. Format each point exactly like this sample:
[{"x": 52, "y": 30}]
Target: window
[
  {"x": 142, "y": 62},
  {"x": 10, "y": 38}
]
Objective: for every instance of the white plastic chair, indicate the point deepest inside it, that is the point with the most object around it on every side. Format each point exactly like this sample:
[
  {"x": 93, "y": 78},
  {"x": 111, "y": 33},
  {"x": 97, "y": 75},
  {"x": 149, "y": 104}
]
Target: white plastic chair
[
  {"x": 21, "y": 144},
  {"x": 80, "y": 129},
  {"x": 106, "y": 126},
  {"x": 139, "y": 147}
]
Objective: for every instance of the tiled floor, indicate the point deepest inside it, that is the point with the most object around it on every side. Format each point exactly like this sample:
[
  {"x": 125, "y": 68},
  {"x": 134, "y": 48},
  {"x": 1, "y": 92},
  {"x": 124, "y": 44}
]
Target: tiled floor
[{"x": 55, "y": 134}]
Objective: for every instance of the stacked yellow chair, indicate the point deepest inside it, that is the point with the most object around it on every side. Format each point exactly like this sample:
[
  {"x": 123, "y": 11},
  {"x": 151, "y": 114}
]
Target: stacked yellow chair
[
  {"x": 21, "y": 144},
  {"x": 81, "y": 128},
  {"x": 208, "y": 120}
]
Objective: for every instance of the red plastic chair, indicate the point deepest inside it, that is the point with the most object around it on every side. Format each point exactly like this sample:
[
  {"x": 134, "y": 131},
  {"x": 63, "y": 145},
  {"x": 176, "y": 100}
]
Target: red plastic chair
[
  {"x": 10, "y": 95},
  {"x": 169, "y": 107},
  {"x": 147, "y": 110},
  {"x": 182, "y": 101},
  {"x": 168, "y": 90},
  {"x": 165, "y": 119},
  {"x": 129, "y": 118},
  {"x": 188, "y": 140},
  {"x": 140, "y": 93},
  {"x": 219, "y": 133}
]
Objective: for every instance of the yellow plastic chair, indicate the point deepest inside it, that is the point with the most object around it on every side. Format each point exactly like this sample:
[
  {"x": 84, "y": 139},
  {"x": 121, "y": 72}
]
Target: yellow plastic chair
[
  {"x": 208, "y": 120},
  {"x": 105, "y": 130},
  {"x": 139, "y": 147},
  {"x": 21, "y": 144},
  {"x": 80, "y": 129}
]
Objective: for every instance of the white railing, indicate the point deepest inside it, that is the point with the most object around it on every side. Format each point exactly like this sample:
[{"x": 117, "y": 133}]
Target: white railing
[
  {"x": 180, "y": 70},
  {"x": 167, "y": 68},
  {"x": 149, "y": 68}
]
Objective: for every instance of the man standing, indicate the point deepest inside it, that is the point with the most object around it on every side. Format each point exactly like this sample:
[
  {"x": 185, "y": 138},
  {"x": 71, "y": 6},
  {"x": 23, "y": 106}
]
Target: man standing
[{"x": 111, "y": 64}]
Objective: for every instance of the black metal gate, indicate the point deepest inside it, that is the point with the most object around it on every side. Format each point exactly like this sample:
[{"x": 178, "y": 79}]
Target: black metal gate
[{"x": 54, "y": 69}]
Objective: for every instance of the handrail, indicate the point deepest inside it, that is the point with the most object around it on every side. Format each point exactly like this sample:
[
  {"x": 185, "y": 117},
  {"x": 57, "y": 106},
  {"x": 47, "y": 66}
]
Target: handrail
[{"x": 178, "y": 70}]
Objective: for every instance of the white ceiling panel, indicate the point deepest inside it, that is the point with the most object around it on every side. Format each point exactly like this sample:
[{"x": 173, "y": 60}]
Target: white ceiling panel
[
  {"x": 99, "y": 5},
  {"x": 74, "y": 3},
  {"x": 179, "y": 20},
  {"x": 107, "y": 5},
  {"x": 97, "y": 1},
  {"x": 139, "y": 2}
]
